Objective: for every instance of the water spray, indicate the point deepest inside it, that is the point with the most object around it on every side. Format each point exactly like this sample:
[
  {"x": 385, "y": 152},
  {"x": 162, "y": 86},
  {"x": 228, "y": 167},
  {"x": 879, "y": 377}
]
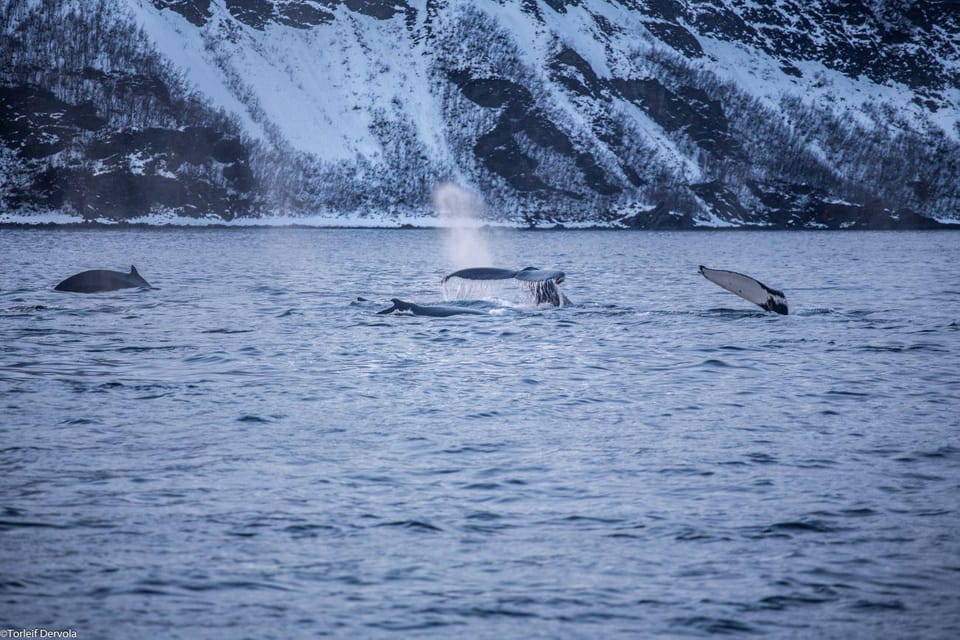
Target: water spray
[{"x": 461, "y": 213}]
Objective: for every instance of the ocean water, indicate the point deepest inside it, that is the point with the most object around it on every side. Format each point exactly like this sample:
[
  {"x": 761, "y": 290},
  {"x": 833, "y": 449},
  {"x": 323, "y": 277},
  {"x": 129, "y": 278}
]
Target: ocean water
[{"x": 248, "y": 451}]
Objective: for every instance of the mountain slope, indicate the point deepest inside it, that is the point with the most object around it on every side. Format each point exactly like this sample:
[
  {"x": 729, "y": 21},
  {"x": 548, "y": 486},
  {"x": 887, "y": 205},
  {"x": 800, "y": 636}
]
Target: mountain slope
[{"x": 661, "y": 114}]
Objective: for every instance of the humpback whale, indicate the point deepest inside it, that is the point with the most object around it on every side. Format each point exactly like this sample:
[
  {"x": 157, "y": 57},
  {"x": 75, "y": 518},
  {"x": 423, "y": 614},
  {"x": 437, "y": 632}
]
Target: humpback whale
[
  {"x": 542, "y": 282},
  {"x": 435, "y": 311},
  {"x": 98, "y": 280},
  {"x": 747, "y": 288}
]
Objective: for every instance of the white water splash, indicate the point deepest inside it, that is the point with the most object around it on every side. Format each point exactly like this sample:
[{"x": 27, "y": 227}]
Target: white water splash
[
  {"x": 461, "y": 289},
  {"x": 510, "y": 292},
  {"x": 461, "y": 212}
]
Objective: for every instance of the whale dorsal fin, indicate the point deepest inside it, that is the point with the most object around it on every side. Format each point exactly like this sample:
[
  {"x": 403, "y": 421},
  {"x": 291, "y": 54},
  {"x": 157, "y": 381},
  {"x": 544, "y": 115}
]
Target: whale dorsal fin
[
  {"x": 397, "y": 306},
  {"x": 133, "y": 271}
]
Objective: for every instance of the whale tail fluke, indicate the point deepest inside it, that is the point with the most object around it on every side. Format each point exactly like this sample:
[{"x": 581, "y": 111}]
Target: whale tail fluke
[
  {"x": 542, "y": 284},
  {"x": 482, "y": 273},
  {"x": 747, "y": 288}
]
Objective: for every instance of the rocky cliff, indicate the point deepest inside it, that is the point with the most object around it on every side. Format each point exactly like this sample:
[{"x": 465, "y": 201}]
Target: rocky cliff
[{"x": 656, "y": 114}]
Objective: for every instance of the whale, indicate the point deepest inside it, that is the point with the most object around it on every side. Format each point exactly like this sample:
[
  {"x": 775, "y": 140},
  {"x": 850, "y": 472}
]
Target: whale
[
  {"x": 747, "y": 288},
  {"x": 400, "y": 306},
  {"x": 543, "y": 282},
  {"x": 527, "y": 274},
  {"x": 99, "y": 280}
]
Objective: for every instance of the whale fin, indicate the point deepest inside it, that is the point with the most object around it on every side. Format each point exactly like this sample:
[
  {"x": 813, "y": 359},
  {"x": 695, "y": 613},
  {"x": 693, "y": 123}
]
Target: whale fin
[
  {"x": 398, "y": 305},
  {"x": 140, "y": 281},
  {"x": 747, "y": 288}
]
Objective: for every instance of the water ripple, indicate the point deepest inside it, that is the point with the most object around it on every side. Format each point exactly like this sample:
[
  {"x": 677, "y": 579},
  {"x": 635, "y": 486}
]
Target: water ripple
[{"x": 660, "y": 459}]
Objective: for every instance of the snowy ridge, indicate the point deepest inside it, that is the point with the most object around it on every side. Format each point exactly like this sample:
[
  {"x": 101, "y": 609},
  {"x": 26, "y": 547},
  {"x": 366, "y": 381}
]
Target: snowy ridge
[
  {"x": 184, "y": 45},
  {"x": 764, "y": 113}
]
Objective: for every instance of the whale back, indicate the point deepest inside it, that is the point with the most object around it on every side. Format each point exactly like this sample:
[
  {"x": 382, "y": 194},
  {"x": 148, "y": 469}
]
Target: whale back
[
  {"x": 421, "y": 310},
  {"x": 100, "y": 280}
]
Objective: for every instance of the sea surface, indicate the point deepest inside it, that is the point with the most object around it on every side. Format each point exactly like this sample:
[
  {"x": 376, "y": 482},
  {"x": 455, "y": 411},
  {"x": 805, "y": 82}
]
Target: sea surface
[{"x": 249, "y": 451}]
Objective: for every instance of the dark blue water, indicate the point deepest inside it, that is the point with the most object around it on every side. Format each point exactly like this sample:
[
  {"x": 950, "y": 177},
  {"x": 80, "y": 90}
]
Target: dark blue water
[{"x": 246, "y": 451}]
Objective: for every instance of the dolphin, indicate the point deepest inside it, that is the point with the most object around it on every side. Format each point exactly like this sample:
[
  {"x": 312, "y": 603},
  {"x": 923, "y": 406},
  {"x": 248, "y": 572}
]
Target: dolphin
[
  {"x": 98, "y": 280},
  {"x": 437, "y": 312},
  {"x": 543, "y": 281},
  {"x": 747, "y": 288}
]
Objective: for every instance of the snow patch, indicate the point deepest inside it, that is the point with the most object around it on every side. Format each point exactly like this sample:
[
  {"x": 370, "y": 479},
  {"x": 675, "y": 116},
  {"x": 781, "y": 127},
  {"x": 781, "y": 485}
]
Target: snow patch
[
  {"x": 183, "y": 44},
  {"x": 823, "y": 88}
]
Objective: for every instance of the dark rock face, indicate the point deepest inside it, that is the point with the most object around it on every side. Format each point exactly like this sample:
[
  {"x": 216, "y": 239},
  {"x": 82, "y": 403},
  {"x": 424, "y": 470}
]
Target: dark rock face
[
  {"x": 499, "y": 149},
  {"x": 883, "y": 41},
  {"x": 119, "y": 174},
  {"x": 120, "y": 194},
  {"x": 36, "y": 124},
  {"x": 302, "y": 15},
  {"x": 792, "y": 206},
  {"x": 570, "y": 69},
  {"x": 196, "y": 11},
  {"x": 724, "y": 203},
  {"x": 560, "y": 6},
  {"x": 253, "y": 13},
  {"x": 299, "y": 14},
  {"x": 379, "y": 9},
  {"x": 689, "y": 110},
  {"x": 677, "y": 37},
  {"x": 659, "y": 218}
]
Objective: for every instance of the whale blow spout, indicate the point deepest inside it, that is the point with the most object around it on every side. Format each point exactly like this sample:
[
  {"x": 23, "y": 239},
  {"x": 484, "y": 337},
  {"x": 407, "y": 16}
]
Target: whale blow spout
[{"x": 100, "y": 280}]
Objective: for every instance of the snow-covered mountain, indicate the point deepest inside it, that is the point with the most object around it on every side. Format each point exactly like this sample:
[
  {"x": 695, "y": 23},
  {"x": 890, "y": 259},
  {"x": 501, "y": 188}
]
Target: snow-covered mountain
[{"x": 649, "y": 114}]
